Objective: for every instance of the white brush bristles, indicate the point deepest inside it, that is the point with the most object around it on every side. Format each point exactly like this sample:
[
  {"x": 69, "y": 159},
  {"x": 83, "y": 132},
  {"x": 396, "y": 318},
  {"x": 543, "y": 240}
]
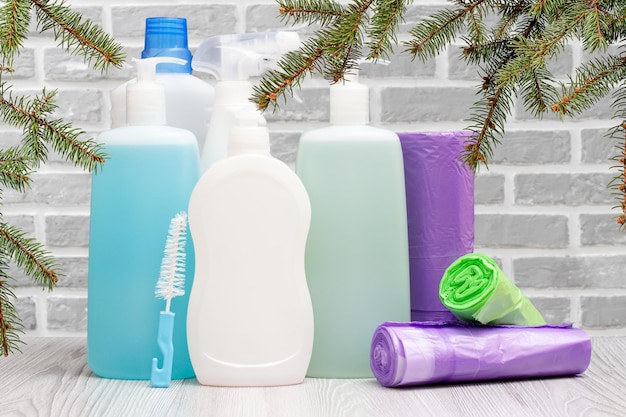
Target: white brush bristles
[{"x": 171, "y": 281}]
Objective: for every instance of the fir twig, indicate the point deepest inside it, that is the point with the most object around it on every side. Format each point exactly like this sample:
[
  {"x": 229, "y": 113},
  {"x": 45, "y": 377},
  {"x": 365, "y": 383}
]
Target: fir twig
[
  {"x": 10, "y": 324},
  {"x": 512, "y": 55},
  {"x": 387, "y": 16},
  {"x": 29, "y": 254},
  {"x": 34, "y": 116},
  {"x": 31, "y": 117},
  {"x": 78, "y": 35},
  {"x": 322, "y": 12},
  {"x": 14, "y": 21}
]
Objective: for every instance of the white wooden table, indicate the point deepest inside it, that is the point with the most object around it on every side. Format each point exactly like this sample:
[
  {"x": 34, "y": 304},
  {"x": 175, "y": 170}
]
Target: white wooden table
[{"x": 51, "y": 378}]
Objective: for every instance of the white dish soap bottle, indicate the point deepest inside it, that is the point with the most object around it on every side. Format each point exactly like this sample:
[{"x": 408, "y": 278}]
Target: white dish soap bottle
[
  {"x": 357, "y": 261},
  {"x": 250, "y": 319}
]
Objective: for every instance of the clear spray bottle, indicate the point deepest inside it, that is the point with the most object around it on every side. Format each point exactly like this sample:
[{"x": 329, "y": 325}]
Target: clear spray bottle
[{"x": 232, "y": 60}]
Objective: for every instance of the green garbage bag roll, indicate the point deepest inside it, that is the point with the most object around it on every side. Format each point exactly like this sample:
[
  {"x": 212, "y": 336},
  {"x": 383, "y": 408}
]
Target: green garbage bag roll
[{"x": 474, "y": 288}]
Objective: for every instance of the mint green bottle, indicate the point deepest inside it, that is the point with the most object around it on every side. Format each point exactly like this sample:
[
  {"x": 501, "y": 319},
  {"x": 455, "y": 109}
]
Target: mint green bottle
[{"x": 356, "y": 260}]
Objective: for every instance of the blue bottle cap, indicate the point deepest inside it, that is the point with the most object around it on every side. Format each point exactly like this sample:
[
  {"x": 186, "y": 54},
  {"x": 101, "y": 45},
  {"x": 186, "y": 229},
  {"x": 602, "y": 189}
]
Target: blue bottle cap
[{"x": 167, "y": 36}]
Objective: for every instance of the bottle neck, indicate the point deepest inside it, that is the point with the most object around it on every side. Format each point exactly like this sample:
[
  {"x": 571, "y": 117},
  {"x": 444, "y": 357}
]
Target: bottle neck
[
  {"x": 233, "y": 93},
  {"x": 246, "y": 140}
]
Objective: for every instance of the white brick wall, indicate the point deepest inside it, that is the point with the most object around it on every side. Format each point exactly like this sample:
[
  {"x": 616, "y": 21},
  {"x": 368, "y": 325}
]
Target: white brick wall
[{"x": 542, "y": 209}]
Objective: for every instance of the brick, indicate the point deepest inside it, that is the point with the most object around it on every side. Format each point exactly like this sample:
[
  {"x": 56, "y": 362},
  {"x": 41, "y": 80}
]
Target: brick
[
  {"x": 461, "y": 69},
  {"x": 18, "y": 277},
  {"x": 600, "y": 229},
  {"x": 27, "y": 312},
  {"x": 24, "y": 222},
  {"x": 59, "y": 162},
  {"x": 521, "y": 230},
  {"x": 59, "y": 65},
  {"x": 314, "y": 107},
  {"x": 67, "y": 230},
  {"x": 489, "y": 189},
  {"x": 597, "y": 146},
  {"x": 24, "y": 65},
  {"x": 562, "y": 64},
  {"x": 203, "y": 20},
  {"x": 588, "y": 56},
  {"x": 426, "y": 104},
  {"x": 79, "y": 106},
  {"x": 555, "y": 310},
  {"x": 415, "y": 14},
  {"x": 62, "y": 189},
  {"x": 533, "y": 147},
  {"x": 74, "y": 272},
  {"x": 67, "y": 314},
  {"x": 400, "y": 66},
  {"x": 92, "y": 13},
  {"x": 266, "y": 17},
  {"x": 73, "y": 105},
  {"x": 603, "y": 311},
  {"x": 284, "y": 146},
  {"x": 562, "y": 189},
  {"x": 599, "y": 111},
  {"x": 570, "y": 271},
  {"x": 9, "y": 137},
  {"x": 53, "y": 190}
]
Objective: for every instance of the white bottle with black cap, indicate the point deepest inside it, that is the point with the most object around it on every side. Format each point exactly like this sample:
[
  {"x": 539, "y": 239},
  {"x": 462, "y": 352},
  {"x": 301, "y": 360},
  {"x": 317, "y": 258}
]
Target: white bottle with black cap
[
  {"x": 357, "y": 263},
  {"x": 250, "y": 320}
]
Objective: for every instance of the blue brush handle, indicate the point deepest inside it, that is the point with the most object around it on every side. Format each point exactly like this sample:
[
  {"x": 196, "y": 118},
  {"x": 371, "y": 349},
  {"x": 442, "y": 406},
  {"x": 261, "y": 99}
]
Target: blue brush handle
[{"x": 161, "y": 378}]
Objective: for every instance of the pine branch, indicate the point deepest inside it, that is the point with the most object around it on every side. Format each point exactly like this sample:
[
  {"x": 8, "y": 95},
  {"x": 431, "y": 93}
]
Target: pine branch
[
  {"x": 333, "y": 50},
  {"x": 10, "y": 324},
  {"x": 488, "y": 117},
  {"x": 591, "y": 82},
  {"x": 618, "y": 133},
  {"x": 78, "y": 35},
  {"x": 290, "y": 72},
  {"x": 29, "y": 255},
  {"x": 31, "y": 117},
  {"x": 34, "y": 116},
  {"x": 512, "y": 55},
  {"x": 433, "y": 34},
  {"x": 322, "y": 12},
  {"x": 386, "y": 18},
  {"x": 14, "y": 22},
  {"x": 15, "y": 169}
]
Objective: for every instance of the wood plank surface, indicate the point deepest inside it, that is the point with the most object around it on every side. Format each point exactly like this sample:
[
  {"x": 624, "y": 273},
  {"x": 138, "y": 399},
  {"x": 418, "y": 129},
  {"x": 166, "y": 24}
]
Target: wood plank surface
[{"x": 51, "y": 378}]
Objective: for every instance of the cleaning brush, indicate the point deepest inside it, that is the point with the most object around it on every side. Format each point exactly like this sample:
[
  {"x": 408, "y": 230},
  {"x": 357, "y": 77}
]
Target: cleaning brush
[{"x": 171, "y": 283}]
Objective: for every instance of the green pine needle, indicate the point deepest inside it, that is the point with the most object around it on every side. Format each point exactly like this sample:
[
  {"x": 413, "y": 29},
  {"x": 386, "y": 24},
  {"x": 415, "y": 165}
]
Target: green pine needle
[{"x": 41, "y": 131}]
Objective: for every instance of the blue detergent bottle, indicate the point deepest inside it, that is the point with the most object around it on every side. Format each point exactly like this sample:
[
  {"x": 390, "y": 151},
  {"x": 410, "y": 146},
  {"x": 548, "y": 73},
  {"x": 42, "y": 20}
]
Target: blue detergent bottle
[{"x": 148, "y": 179}]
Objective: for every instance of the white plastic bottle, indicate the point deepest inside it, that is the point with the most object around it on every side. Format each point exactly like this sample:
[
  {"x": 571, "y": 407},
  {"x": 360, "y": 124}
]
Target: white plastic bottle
[
  {"x": 188, "y": 99},
  {"x": 232, "y": 60},
  {"x": 147, "y": 180},
  {"x": 357, "y": 261},
  {"x": 250, "y": 319}
]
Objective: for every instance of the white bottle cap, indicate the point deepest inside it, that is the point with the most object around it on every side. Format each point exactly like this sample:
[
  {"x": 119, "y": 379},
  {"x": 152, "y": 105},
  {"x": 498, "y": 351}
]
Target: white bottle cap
[
  {"x": 145, "y": 99},
  {"x": 349, "y": 101},
  {"x": 250, "y": 135}
]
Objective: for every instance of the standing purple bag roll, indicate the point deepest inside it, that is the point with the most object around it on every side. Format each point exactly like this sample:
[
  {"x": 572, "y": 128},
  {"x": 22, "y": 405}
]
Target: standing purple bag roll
[
  {"x": 405, "y": 354},
  {"x": 440, "y": 214}
]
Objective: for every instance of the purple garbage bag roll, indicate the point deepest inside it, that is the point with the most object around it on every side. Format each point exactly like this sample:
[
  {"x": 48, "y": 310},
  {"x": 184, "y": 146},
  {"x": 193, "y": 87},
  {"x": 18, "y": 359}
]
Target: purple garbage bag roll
[
  {"x": 440, "y": 214},
  {"x": 405, "y": 354}
]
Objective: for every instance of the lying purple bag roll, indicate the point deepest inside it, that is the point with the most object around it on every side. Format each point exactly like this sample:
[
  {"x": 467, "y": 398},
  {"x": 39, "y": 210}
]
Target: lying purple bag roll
[
  {"x": 404, "y": 354},
  {"x": 440, "y": 214}
]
